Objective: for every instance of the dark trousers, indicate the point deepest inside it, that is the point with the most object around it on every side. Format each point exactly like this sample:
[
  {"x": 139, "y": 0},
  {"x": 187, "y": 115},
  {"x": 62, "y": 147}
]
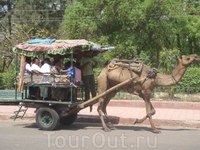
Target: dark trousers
[
  {"x": 89, "y": 84},
  {"x": 33, "y": 91}
]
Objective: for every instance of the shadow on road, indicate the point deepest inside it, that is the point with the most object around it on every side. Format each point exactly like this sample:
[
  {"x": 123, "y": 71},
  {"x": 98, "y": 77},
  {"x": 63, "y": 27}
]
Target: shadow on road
[{"x": 97, "y": 126}]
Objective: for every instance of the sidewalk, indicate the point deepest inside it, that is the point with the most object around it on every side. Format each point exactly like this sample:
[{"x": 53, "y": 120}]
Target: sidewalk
[{"x": 168, "y": 113}]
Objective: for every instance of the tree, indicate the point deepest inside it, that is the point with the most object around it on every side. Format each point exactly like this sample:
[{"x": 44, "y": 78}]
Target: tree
[
  {"x": 27, "y": 19},
  {"x": 135, "y": 27},
  {"x": 188, "y": 27}
]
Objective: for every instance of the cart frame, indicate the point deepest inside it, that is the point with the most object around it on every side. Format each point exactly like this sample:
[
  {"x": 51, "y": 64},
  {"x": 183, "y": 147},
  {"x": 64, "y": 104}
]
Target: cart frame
[{"x": 50, "y": 113}]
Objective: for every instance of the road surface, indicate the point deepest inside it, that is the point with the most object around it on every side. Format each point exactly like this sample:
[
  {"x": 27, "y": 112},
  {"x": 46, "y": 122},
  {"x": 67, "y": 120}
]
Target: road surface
[{"x": 24, "y": 135}]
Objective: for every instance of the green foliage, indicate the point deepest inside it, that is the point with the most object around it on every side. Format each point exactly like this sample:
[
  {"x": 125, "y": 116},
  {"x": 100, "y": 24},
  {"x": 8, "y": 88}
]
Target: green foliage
[
  {"x": 191, "y": 78},
  {"x": 7, "y": 80},
  {"x": 145, "y": 58},
  {"x": 171, "y": 91},
  {"x": 133, "y": 26},
  {"x": 45, "y": 13},
  {"x": 78, "y": 21},
  {"x": 168, "y": 60}
]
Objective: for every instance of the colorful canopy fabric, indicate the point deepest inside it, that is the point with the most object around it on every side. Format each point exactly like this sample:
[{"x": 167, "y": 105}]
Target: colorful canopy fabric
[{"x": 52, "y": 46}]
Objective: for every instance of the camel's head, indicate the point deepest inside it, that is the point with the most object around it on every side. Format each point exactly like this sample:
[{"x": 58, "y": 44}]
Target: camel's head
[{"x": 187, "y": 60}]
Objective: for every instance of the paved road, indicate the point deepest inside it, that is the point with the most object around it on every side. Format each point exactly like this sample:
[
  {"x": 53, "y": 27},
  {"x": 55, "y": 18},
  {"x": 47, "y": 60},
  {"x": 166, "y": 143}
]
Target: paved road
[{"x": 24, "y": 135}]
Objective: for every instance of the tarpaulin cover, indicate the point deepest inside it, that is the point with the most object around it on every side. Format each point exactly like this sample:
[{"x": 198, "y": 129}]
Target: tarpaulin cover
[{"x": 61, "y": 47}]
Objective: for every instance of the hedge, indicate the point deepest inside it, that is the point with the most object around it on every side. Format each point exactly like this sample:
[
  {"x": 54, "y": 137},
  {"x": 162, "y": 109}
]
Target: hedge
[{"x": 7, "y": 80}]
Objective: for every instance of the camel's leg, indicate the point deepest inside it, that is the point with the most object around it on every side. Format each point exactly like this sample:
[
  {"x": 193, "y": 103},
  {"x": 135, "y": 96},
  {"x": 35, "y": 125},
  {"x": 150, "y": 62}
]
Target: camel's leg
[
  {"x": 145, "y": 117},
  {"x": 150, "y": 112},
  {"x": 102, "y": 87},
  {"x": 149, "y": 109},
  {"x": 107, "y": 100},
  {"x": 101, "y": 114},
  {"x": 154, "y": 129}
]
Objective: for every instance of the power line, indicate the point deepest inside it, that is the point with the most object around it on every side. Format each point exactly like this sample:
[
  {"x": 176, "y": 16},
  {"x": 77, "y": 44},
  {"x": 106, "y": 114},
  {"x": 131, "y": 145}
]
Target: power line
[
  {"x": 184, "y": 14},
  {"x": 88, "y": 8},
  {"x": 60, "y": 20},
  {"x": 57, "y": 19}
]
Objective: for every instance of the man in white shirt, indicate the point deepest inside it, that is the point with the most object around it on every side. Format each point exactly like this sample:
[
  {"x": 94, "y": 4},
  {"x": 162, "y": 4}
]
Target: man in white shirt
[
  {"x": 27, "y": 66},
  {"x": 46, "y": 68},
  {"x": 35, "y": 66},
  {"x": 35, "y": 69},
  {"x": 27, "y": 71}
]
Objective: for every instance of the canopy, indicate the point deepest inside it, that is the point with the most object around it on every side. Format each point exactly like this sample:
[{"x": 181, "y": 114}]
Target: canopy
[{"x": 62, "y": 47}]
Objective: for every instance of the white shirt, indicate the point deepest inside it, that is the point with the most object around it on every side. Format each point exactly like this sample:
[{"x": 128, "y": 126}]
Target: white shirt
[
  {"x": 36, "y": 67},
  {"x": 27, "y": 69},
  {"x": 46, "y": 68}
]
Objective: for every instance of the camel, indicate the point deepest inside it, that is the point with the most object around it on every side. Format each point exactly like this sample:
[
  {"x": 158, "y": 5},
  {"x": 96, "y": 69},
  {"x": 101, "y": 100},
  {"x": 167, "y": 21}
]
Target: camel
[{"x": 146, "y": 79}]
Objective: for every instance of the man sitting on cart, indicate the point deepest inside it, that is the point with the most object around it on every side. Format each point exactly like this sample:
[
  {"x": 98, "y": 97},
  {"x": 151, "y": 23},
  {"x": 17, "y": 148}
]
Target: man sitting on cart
[
  {"x": 59, "y": 94},
  {"x": 34, "y": 93},
  {"x": 45, "y": 69}
]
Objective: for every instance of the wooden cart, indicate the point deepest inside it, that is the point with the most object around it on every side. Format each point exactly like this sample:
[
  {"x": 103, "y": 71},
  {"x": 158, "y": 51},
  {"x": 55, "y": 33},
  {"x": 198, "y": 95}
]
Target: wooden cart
[{"x": 50, "y": 113}]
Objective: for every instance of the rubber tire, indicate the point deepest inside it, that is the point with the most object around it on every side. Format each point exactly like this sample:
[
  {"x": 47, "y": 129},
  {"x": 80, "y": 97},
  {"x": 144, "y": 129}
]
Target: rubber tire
[
  {"x": 69, "y": 119},
  {"x": 47, "y": 118}
]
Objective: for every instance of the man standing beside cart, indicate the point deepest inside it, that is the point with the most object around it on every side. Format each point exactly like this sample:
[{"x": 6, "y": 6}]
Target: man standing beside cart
[{"x": 87, "y": 65}]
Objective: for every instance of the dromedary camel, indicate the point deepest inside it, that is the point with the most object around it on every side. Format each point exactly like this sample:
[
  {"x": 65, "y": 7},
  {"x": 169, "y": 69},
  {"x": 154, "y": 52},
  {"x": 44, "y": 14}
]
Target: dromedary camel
[{"x": 145, "y": 79}]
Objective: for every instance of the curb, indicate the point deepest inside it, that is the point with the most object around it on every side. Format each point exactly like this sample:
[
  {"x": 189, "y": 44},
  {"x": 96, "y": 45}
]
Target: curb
[{"x": 156, "y": 104}]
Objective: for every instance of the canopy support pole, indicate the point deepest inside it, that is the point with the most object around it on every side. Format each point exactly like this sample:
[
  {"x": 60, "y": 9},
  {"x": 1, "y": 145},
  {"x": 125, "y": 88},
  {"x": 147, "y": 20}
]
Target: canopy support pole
[{"x": 21, "y": 79}]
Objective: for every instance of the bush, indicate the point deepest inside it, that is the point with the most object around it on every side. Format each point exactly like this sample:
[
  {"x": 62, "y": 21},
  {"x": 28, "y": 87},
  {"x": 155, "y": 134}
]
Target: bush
[
  {"x": 7, "y": 80},
  {"x": 191, "y": 78},
  {"x": 189, "y": 83}
]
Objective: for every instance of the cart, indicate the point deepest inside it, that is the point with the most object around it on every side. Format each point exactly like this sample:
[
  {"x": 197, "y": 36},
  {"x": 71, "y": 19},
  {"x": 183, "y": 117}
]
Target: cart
[{"x": 50, "y": 113}]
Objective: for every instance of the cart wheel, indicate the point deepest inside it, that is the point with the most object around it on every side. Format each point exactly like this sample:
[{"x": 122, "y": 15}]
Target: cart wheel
[
  {"x": 47, "y": 118},
  {"x": 68, "y": 120}
]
